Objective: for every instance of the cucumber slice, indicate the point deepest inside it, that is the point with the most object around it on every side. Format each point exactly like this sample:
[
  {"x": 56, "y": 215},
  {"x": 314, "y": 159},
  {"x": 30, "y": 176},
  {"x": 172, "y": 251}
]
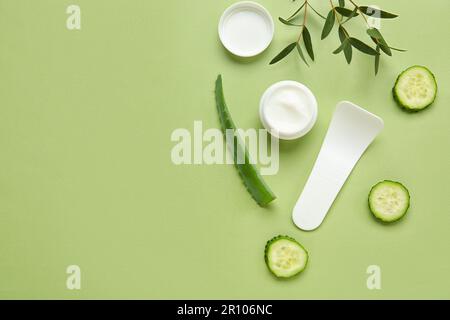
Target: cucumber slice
[
  {"x": 415, "y": 89},
  {"x": 389, "y": 201},
  {"x": 285, "y": 257}
]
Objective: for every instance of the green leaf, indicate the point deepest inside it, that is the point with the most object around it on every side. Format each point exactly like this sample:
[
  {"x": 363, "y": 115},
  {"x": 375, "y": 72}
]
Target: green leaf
[
  {"x": 300, "y": 52},
  {"x": 288, "y": 23},
  {"x": 341, "y": 3},
  {"x": 316, "y": 11},
  {"x": 374, "y": 33},
  {"x": 345, "y": 12},
  {"x": 253, "y": 181},
  {"x": 308, "y": 43},
  {"x": 385, "y": 48},
  {"x": 348, "y": 51},
  {"x": 353, "y": 14},
  {"x": 329, "y": 23},
  {"x": 376, "y": 36},
  {"x": 377, "y": 61},
  {"x": 296, "y": 12},
  {"x": 396, "y": 49},
  {"x": 364, "y": 48},
  {"x": 376, "y": 13},
  {"x": 284, "y": 53},
  {"x": 343, "y": 45}
]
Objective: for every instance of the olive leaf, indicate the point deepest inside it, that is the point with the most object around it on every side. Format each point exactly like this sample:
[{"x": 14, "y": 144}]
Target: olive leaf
[
  {"x": 329, "y": 23},
  {"x": 284, "y": 53},
  {"x": 344, "y": 44},
  {"x": 348, "y": 51},
  {"x": 376, "y": 36},
  {"x": 376, "y": 13},
  {"x": 316, "y": 11},
  {"x": 377, "y": 60},
  {"x": 361, "y": 46},
  {"x": 308, "y": 43},
  {"x": 288, "y": 23},
  {"x": 345, "y": 12},
  {"x": 296, "y": 12},
  {"x": 353, "y": 14},
  {"x": 396, "y": 49},
  {"x": 300, "y": 52},
  {"x": 374, "y": 33}
]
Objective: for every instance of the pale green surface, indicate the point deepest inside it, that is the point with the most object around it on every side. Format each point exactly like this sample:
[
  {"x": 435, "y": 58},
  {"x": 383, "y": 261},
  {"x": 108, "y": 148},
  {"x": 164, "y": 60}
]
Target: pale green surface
[{"x": 86, "y": 176}]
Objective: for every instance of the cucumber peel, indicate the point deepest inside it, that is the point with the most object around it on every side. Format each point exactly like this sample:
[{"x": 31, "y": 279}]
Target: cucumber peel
[
  {"x": 285, "y": 257},
  {"x": 389, "y": 201},
  {"x": 415, "y": 89},
  {"x": 249, "y": 174}
]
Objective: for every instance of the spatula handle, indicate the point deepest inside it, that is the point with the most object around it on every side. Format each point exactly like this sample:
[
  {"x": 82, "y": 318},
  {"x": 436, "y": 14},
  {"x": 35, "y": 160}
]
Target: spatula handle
[{"x": 351, "y": 131}]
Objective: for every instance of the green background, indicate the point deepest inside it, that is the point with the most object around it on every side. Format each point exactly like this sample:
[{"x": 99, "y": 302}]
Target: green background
[{"x": 86, "y": 176}]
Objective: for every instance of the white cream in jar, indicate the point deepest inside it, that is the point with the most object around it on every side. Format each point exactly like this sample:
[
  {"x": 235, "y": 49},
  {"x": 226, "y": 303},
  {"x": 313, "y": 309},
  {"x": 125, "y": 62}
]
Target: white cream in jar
[{"x": 288, "y": 110}]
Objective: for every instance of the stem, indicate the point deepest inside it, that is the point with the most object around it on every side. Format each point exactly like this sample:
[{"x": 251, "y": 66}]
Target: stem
[
  {"x": 365, "y": 19},
  {"x": 304, "y": 21},
  {"x": 335, "y": 12},
  {"x": 338, "y": 19},
  {"x": 360, "y": 11}
]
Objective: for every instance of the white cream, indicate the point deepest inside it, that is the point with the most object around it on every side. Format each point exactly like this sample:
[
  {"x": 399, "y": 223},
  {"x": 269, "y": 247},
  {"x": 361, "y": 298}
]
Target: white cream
[
  {"x": 246, "y": 29},
  {"x": 288, "y": 109}
]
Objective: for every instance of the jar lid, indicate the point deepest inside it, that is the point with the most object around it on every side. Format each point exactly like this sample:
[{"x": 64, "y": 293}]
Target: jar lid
[{"x": 246, "y": 29}]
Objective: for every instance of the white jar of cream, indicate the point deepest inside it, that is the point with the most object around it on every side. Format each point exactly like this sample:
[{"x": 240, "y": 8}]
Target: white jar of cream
[{"x": 288, "y": 110}]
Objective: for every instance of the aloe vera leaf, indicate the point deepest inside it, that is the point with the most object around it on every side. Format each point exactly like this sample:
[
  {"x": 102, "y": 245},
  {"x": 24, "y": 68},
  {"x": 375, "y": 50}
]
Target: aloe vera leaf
[{"x": 253, "y": 181}]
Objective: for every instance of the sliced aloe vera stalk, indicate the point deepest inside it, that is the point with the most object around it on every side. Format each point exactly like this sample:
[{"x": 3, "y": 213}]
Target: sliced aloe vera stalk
[{"x": 253, "y": 181}]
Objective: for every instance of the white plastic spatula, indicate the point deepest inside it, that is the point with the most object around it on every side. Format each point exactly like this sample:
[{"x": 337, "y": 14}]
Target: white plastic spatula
[{"x": 351, "y": 131}]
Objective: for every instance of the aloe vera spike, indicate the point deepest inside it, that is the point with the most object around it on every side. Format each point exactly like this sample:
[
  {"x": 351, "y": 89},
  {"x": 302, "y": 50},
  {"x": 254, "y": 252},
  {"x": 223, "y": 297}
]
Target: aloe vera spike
[{"x": 250, "y": 176}]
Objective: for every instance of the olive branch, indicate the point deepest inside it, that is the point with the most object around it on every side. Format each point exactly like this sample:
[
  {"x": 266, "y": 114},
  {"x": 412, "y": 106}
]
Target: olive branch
[{"x": 338, "y": 15}]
